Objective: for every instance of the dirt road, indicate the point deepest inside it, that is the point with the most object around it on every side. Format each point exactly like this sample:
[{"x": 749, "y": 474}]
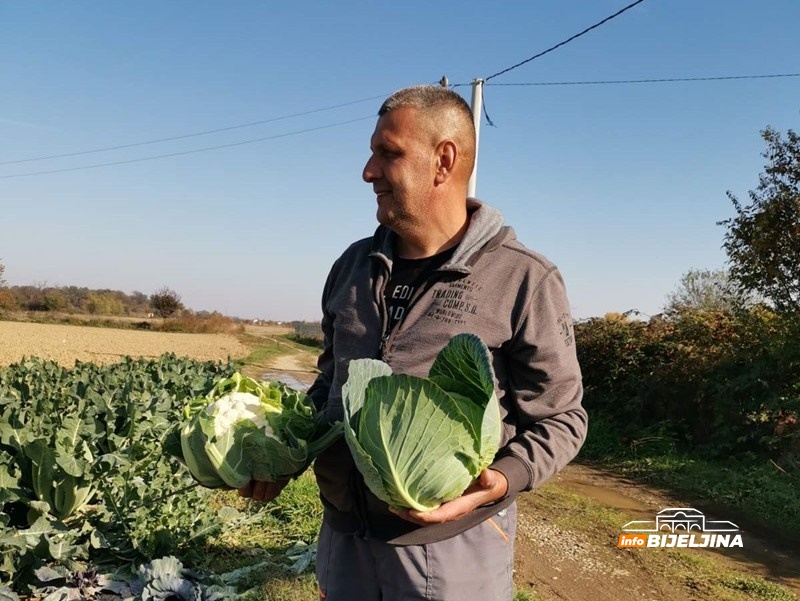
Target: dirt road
[{"x": 567, "y": 549}]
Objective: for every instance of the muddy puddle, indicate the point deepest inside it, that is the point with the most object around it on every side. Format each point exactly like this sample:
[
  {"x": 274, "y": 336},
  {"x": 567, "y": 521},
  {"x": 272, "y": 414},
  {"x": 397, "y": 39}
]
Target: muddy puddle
[{"x": 291, "y": 380}]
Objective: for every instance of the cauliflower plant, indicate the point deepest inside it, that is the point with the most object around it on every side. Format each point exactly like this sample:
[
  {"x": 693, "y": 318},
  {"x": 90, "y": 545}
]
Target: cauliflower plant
[
  {"x": 245, "y": 429},
  {"x": 239, "y": 407}
]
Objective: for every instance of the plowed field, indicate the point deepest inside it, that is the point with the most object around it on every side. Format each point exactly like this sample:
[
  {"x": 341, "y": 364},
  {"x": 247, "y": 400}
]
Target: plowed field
[{"x": 65, "y": 344}]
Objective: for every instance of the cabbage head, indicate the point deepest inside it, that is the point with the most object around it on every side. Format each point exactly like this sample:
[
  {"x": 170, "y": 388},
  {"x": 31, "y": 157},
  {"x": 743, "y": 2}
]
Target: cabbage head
[
  {"x": 419, "y": 442},
  {"x": 245, "y": 429}
]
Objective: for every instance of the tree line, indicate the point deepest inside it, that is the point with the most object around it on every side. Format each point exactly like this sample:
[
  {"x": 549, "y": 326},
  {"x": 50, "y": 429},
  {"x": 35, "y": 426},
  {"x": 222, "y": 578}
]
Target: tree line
[{"x": 164, "y": 302}]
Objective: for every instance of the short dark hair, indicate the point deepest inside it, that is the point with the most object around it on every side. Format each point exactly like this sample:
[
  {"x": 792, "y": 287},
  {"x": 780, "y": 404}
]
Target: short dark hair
[
  {"x": 426, "y": 97},
  {"x": 443, "y": 107}
]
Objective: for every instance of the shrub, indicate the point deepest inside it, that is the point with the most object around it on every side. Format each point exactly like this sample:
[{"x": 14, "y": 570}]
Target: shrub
[
  {"x": 211, "y": 323},
  {"x": 8, "y": 300},
  {"x": 722, "y": 381}
]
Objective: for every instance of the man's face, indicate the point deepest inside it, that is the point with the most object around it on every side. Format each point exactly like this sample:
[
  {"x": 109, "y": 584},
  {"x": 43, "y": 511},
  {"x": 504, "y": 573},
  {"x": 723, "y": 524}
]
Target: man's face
[{"x": 401, "y": 168}]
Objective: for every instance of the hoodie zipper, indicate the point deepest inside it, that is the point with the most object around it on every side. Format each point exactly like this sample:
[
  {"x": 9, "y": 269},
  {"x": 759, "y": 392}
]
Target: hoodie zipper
[
  {"x": 421, "y": 290},
  {"x": 380, "y": 299}
]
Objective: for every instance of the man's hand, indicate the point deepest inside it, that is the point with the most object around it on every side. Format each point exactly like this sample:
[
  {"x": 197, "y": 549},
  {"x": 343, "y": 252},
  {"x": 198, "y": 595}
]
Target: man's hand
[
  {"x": 490, "y": 486},
  {"x": 262, "y": 491}
]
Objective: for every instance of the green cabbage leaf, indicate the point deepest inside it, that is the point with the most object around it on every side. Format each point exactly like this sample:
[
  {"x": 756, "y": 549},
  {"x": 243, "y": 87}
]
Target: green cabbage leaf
[
  {"x": 245, "y": 429},
  {"x": 419, "y": 442}
]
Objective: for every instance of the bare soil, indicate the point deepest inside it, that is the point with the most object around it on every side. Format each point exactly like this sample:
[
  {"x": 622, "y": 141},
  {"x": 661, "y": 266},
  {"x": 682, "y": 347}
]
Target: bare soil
[{"x": 66, "y": 344}]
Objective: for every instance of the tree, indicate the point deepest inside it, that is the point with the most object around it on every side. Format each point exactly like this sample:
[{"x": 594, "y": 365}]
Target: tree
[
  {"x": 54, "y": 300},
  {"x": 138, "y": 303},
  {"x": 8, "y": 300},
  {"x": 103, "y": 303},
  {"x": 763, "y": 240},
  {"x": 165, "y": 302},
  {"x": 707, "y": 289}
]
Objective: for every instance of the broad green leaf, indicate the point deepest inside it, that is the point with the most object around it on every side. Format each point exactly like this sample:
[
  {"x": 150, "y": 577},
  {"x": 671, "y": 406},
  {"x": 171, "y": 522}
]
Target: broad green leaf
[
  {"x": 419, "y": 442},
  {"x": 59, "y": 549},
  {"x": 9, "y": 477},
  {"x": 42, "y": 469},
  {"x": 193, "y": 451},
  {"x": 464, "y": 366},
  {"x": 360, "y": 373}
]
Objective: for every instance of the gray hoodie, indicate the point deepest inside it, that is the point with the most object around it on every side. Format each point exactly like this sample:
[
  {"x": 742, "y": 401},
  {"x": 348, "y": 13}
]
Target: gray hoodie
[{"x": 494, "y": 287}]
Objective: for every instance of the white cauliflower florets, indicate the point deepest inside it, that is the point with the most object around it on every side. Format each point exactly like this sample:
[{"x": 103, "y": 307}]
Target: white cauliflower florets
[{"x": 239, "y": 406}]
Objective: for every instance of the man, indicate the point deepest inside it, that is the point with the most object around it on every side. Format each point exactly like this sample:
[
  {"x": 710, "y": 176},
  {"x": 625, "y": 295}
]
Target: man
[{"x": 440, "y": 264}]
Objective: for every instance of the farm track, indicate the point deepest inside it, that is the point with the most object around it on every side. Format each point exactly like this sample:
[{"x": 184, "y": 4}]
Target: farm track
[{"x": 586, "y": 565}]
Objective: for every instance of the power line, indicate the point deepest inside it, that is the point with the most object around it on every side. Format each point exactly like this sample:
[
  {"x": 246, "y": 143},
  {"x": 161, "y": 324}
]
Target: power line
[
  {"x": 185, "y": 152},
  {"x": 567, "y": 41},
  {"x": 628, "y": 81},
  {"x": 192, "y": 135}
]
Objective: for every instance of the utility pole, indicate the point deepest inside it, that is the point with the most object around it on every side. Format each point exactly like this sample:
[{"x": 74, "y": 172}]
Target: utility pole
[{"x": 477, "y": 109}]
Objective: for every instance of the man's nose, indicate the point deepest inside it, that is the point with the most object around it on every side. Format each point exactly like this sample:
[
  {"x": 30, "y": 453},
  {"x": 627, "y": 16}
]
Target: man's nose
[{"x": 371, "y": 172}]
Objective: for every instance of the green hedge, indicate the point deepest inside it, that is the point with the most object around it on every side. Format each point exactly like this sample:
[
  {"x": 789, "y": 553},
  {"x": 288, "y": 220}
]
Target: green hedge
[{"x": 697, "y": 380}]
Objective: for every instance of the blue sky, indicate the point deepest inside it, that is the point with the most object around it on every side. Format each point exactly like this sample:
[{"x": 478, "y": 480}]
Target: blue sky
[{"x": 620, "y": 185}]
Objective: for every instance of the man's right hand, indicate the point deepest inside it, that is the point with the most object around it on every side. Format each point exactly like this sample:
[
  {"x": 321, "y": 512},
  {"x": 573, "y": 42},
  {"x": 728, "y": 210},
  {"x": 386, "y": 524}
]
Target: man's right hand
[{"x": 262, "y": 491}]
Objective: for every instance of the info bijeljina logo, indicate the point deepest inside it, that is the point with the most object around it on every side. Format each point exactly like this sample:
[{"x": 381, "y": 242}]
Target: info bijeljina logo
[{"x": 680, "y": 527}]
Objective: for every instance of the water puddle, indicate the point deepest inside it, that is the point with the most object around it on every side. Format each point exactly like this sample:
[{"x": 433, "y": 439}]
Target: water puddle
[{"x": 289, "y": 380}]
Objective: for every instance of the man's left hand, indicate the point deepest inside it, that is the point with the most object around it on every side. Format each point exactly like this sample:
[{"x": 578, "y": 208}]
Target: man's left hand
[{"x": 490, "y": 486}]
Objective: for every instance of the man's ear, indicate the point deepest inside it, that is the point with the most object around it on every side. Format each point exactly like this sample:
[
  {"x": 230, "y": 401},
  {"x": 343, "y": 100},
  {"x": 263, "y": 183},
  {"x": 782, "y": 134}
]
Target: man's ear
[{"x": 446, "y": 157}]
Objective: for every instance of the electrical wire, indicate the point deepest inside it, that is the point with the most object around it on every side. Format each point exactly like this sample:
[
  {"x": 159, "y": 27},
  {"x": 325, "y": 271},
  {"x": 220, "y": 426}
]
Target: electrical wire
[
  {"x": 185, "y": 152},
  {"x": 567, "y": 41},
  {"x": 195, "y": 134},
  {"x": 629, "y": 81}
]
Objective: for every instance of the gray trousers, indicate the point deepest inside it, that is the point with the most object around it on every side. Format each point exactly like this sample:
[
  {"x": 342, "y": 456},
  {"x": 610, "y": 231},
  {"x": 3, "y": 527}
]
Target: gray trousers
[{"x": 475, "y": 565}]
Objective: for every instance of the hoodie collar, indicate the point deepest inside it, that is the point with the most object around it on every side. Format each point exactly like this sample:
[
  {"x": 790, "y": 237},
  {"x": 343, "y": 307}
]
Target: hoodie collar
[{"x": 485, "y": 223}]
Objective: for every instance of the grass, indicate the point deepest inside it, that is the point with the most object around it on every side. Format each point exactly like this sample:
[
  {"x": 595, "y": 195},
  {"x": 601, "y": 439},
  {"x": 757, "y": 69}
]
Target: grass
[
  {"x": 753, "y": 488},
  {"x": 269, "y": 534},
  {"x": 265, "y": 349},
  {"x": 293, "y": 517},
  {"x": 719, "y": 583},
  {"x": 526, "y": 594},
  {"x": 704, "y": 577},
  {"x": 757, "y": 588}
]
